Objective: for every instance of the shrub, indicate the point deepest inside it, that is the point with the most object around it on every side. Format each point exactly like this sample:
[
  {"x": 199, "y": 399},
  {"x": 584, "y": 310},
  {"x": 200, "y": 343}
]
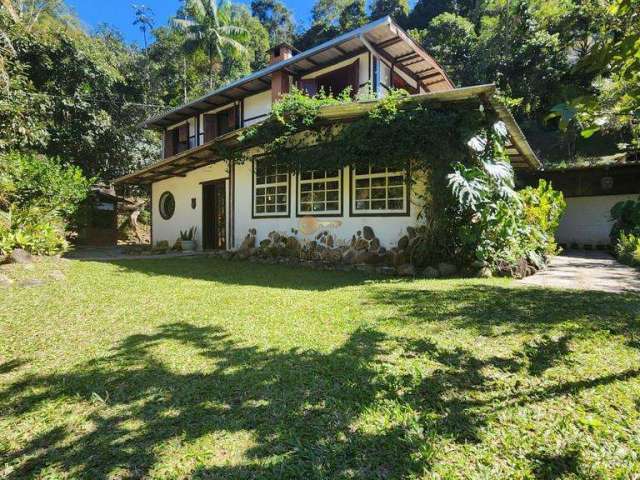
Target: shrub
[
  {"x": 38, "y": 197},
  {"x": 543, "y": 207},
  {"x": 37, "y": 180},
  {"x": 626, "y": 218},
  {"x": 627, "y": 248}
]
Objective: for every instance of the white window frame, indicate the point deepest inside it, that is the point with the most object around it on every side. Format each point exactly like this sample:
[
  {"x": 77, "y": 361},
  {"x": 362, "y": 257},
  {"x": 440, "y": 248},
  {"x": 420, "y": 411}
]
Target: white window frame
[
  {"x": 315, "y": 181},
  {"x": 375, "y": 177},
  {"x": 278, "y": 184}
]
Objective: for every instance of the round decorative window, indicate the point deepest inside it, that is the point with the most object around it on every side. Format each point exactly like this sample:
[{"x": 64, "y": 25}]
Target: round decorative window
[{"x": 167, "y": 205}]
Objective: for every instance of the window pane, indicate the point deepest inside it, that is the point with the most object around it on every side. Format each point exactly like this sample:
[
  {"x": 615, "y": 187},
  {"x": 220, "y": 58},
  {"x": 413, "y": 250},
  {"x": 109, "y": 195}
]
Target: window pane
[
  {"x": 319, "y": 186},
  {"x": 271, "y": 190},
  {"x": 305, "y": 207},
  {"x": 307, "y": 175},
  {"x": 396, "y": 205},
  {"x": 282, "y": 199},
  {"x": 305, "y": 197},
  {"x": 362, "y": 205},
  {"x": 260, "y": 200},
  {"x": 378, "y": 170},
  {"x": 396, "y": 180},
  {"x": 282, "y": 178},
  {"x": 282, "y": 209},
  {"x": 378, "y": 182},
  {"x": 362, "y": 182},
  {"x": 260, "y": 180},
  {"x": 260, "y": 191},
  {"x": 318, "y": 207},
  {"x": 333, "y": 195},
  {"x": 271, "y": 179},
  {"x": 282, "y": 189},
  {"x": 378, "y": 193},
  {"x": 271, "y": 208},
  {"x": 305, "y": 187},
  {"x": 332, "y": 173},
  {"x": 396, "y": 192},
  {"x": 318, "y": 196},
  {"x": 333, "y": 206},
  {"x": 259, "y": 209},
  {"x": 332, "y": 185},
  {"x": 362, "y": 194},
  {"x": 378, "y": 205}
]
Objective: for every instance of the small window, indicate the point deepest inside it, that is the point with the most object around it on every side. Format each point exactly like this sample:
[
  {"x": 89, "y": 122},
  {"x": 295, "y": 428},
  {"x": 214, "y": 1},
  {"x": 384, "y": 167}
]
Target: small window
[
  {"x": 379, "y": 190},
  {"x": 167, "y": 205},
  {"x": 320, "y": 192},
  {"x": 270, "y": 190}
]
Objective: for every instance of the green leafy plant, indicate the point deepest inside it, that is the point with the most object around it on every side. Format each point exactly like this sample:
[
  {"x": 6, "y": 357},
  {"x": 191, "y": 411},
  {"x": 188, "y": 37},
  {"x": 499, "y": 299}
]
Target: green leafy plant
[
  {"x": 40, "y": 196},
  {"x": 188, "y": 235},
  {"x": 627, "y": 248},
  {"x": 626, "y": 218}
]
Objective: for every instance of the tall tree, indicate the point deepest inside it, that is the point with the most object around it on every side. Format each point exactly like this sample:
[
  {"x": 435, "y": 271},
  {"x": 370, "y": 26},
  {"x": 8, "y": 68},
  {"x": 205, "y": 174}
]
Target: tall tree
[
  {"x": 396, "y": 9},
  {"x": 276, "y": 18},
  {"x": 327, "y": 12},
  {"x": 210, "y": 25},
  {"x": 353, "y": 16},
  {"x": 453, "y": 42},
  {"x": 143, "y": 20}
]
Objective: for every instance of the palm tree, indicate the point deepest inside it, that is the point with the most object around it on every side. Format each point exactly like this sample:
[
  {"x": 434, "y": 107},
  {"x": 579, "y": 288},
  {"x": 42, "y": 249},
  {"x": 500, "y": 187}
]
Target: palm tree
[
  {"x": 144, "y": 20},
  {"x": 211, "y": 25}
]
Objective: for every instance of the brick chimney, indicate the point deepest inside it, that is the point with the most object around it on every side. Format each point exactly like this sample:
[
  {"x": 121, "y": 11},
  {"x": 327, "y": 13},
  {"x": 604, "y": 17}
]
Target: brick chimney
[{"x": 280, "y": 79}]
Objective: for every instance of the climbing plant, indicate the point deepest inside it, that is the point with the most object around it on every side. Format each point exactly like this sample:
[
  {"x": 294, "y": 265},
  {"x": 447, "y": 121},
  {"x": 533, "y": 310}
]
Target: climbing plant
[{"x": 469, "y": 206}]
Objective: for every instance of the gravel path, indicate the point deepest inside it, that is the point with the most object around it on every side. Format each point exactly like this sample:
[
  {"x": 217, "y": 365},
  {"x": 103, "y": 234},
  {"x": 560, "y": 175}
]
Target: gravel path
[{"x": 587, "y": 270}]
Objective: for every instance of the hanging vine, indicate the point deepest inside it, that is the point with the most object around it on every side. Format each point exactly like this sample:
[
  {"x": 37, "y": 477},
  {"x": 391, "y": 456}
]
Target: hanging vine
[{"x": 470, "y": 208}]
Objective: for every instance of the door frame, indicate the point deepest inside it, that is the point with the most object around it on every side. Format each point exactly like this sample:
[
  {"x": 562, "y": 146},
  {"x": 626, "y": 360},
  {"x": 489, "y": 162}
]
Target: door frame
[{"x": 213, "y": 183}]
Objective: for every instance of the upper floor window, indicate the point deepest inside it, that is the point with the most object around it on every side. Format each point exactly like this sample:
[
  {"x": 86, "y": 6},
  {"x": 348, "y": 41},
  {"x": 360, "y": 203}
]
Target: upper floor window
[
  {"x": 270, "y": 190},
  {"x": 334, "y": 82},
  {"x": 178, "y": 139},
  {"x": 379, "y": 191},
  {"x": 219, "y": 123},
  {"x": 320, "y": 192}
]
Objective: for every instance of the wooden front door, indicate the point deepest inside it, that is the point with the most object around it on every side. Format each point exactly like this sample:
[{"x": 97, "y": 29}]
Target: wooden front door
[{"x": 214, "y": 218}]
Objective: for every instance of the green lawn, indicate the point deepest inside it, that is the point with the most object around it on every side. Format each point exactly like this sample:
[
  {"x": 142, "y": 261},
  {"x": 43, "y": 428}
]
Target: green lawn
[{"x": 202, "y": 368}]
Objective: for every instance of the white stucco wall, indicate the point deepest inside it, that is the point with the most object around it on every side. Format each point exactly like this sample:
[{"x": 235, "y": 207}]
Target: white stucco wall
[
  {"x": 388, "y": 229},
  {"x": 586, "y": 220},
  {"x": 183, "y": 190},
  {"x": 255, "y": 106}
]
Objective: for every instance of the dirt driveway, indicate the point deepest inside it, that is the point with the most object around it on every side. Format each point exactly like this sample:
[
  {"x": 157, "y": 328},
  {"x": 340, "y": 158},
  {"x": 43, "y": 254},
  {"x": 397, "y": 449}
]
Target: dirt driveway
[{"x": 587, "y": 270}]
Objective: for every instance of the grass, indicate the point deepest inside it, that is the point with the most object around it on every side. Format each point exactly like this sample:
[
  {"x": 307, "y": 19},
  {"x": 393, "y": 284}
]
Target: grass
[{"x": 200, "y": 368}]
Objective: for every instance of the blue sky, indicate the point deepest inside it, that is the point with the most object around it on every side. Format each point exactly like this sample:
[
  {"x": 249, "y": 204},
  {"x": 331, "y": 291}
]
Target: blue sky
[{"x": 118, "y": 13}]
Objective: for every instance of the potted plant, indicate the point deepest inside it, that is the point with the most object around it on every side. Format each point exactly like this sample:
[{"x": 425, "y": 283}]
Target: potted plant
[{"x": 186, "y": 239}]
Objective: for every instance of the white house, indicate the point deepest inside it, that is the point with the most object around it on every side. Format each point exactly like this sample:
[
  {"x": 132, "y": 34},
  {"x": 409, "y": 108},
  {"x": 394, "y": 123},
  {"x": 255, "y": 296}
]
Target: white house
[{"x": 191, "y": 187}]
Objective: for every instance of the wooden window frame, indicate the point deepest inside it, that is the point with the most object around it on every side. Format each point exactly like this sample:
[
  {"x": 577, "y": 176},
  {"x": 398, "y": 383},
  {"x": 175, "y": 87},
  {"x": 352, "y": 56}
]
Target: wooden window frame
[
  {"x": 254, "y": 186},
  {"x": 332, "y": 213},
  {"x": 404, "y": 212}
]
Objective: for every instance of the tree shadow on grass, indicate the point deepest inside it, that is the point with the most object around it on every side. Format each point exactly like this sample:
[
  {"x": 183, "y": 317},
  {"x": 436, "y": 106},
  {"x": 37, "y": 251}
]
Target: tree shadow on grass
[
  {"x": 490, "y": 310},
  {"x": 300, "y": 405},
  {"x": 302, "y": 408}
]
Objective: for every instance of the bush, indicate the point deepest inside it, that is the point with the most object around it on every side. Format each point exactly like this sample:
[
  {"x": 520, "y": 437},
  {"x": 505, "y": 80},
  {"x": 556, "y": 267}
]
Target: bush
[
  {"x": 627, "y": 248},
  {"x": 39, "y": 181},
  {"x": 38, "y": 197},
  {"x": 543, "y": 207},
  {"x": 626, "y": 218}
]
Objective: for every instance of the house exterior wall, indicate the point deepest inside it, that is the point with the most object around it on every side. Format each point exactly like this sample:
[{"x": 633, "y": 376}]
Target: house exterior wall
[
  {"x": 388, "y": 229},
  {"x": 586, "y": 220},
  {"x": 183, "y": 190}
]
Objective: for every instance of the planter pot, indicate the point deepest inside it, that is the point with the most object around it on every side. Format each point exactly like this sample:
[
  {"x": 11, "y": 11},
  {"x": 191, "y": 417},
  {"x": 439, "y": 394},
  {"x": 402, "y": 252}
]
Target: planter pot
[{"x": 188, "y": 245}]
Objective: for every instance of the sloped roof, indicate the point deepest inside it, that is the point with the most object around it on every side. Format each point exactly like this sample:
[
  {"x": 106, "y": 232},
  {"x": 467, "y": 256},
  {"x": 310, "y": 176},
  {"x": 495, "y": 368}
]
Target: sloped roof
[
  {"x": 389, "y": 40},
  {"x": 520, "y": 153}
]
